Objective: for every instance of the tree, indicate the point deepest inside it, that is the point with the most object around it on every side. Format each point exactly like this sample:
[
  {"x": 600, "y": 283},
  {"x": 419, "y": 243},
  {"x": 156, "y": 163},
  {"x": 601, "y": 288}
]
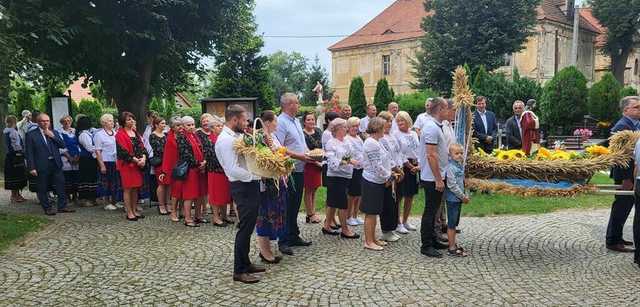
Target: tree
[
  {"x": 622, "y": 21},
  {"x": 565, "y": 99},
  {"x": 317, "y": 73},
  {"x": 92, "y": 109},
  {"x": 21, "y": 96},
  {"x": 288, "y": 73},
  {"x": 135, "y": 48},
  {"x": 472, "y": 32},
  {"x": 357, "y": 100},
  {"x": 628, "y": 91},
  {"x": 604, "y": 96},
  {"x": 525, "y": 88},
  {"x": 241, "y": 71},
  {"x": 383, "y": 96}
]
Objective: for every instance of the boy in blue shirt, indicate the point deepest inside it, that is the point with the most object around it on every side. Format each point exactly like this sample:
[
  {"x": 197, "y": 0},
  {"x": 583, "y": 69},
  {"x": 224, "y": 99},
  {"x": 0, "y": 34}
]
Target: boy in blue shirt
[{"x": 455, "y": 197}]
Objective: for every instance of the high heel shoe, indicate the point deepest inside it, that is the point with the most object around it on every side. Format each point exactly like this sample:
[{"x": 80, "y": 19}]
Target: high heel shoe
[{"x": 275, "y": 260}]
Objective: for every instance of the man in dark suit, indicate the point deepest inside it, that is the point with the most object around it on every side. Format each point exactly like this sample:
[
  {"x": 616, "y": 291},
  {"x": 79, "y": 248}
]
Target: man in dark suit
[
  {"x": 622, "y": 205},
  {"x": 44, "y": 162},
  {"x": 484, "y": 125},
  {"x": 513, "y": 129}
]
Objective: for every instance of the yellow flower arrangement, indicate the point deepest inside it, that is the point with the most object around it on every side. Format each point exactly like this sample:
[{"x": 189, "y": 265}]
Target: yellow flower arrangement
[
  {"x": 516, "y": 154},
  {"x": 560, "y": 155},
  {"x": 480, "y": 152},
  {"x": 597, "y": 150},
  {"x": 544, "y": 153},
  {"x": 503, "y": 155}
]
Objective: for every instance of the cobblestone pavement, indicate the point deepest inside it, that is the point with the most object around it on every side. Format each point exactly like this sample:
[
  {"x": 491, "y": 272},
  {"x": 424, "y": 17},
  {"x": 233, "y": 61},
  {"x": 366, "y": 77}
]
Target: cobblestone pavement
[{"x": 95, "y": 257}]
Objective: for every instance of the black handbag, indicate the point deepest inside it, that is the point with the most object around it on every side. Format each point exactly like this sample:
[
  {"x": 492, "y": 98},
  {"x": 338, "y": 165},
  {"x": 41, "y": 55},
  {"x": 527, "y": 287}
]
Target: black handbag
[
  {"x": 155, "y": 161},
  {"x": 180, "y": 171}
]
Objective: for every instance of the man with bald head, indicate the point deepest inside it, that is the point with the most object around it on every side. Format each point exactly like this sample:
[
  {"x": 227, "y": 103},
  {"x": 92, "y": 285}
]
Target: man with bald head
[
  {"x": 44, "y": 163},
  {"x": 513, "y": 128}
]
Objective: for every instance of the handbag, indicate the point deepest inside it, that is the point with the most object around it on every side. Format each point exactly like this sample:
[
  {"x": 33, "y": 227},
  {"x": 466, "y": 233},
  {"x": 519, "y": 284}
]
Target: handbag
[
  {"x": 180, "y": 171},
  {"x": 155, "y": 161}
]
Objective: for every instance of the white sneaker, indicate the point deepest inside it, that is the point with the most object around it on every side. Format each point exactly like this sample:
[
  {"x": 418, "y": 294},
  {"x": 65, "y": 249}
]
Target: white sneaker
[
  {"x": 110, "y": 207},
  {"x": 360, "y": 221},
  {"x": 389, "y": 236},
  {"x": 401, "y": 229},
  {"x": 410, "y": 227},
  {"x": 119, "y": 205},
  {"x": 352, "y": 222}
]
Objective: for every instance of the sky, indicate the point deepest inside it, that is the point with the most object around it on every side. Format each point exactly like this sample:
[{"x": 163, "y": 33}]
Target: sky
[{"x": 309, "y": 18}]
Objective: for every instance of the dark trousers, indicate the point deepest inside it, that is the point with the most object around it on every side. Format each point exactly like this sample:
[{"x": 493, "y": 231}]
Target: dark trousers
[
  {"x": 153, "y": 185},
  {"x": 54, "y": 176},
  {"x": 291, "y": 229},
  {"x": 246, "y": 195},
  {"x": 432, "y": 201},
  {"x": 389, "y": 214},
  {"x": 636, "y": 226},
  {"x": 620, "y": 210}
]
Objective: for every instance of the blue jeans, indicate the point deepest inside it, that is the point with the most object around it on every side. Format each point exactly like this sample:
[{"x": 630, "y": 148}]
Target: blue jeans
[{"x": 453, "y": 214}]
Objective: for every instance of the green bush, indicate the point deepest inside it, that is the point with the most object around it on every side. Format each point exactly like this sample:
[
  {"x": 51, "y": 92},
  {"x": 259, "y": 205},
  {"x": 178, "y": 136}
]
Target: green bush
[
  {"x": 525, "y": 88},
  {"x": 502, "y": 92},
  {"x": 21, "y": 97},
  {"x": 91, "y": 108},
  {"x": 383, "y": 95},
  {"x": 413, "y": 103},
  {"x": 564, "y": 100},
  {"x": 603, "y": 98},
  {"x": 628, "y": 91},
  {"x": 357, "y": 99}
]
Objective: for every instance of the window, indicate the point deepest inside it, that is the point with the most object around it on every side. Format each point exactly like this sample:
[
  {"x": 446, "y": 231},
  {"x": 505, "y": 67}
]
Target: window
[
  {"x": 635, "y": 68},
  {"x": 386, "y": 65}
]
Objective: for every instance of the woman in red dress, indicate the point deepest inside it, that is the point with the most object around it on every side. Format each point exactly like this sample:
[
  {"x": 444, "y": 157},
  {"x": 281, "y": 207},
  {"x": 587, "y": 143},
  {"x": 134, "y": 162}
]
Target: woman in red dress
[
  {"x": 169, "y": 161},
  {"x": 219, "y": 186},
  {"x": 131, "y": 160},
  {"x": 204, "y": 136},
  {"x": 312, "y": 170},
  {"x": 190, "y": 151}
]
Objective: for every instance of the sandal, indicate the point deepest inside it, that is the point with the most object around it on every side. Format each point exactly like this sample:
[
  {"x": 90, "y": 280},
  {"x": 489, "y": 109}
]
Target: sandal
[
  {"x": 376, "y": 247},
  {"x": 191, "y": 224},
  {"x": 458, "y": 252},
  {"x": 313, "y": 219}
]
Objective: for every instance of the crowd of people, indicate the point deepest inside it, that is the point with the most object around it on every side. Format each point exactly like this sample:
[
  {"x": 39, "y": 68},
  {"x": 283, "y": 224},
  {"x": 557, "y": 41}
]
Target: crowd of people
[{"x": 373, "y": 168}]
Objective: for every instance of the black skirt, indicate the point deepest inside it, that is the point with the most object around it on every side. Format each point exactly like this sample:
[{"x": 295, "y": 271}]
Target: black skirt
[
  {"x": 372, "y": 197},
  {"x": 337, "y": 192},
  {"x": 70, "y": 182},
  {"x": 355, "y": 184},
  {"x": 409, "y": 184},
  {"x": 87, "y": 178},
  {"x": 15, "y": 177},
  {"x": 324, "y": 174}
]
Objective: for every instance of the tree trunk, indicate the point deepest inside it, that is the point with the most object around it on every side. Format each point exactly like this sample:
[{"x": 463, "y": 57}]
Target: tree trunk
[
  {"x": 5, "y": 86},
  {"x": 134, "y": 97},
  {"x": 619, "y": 64}
]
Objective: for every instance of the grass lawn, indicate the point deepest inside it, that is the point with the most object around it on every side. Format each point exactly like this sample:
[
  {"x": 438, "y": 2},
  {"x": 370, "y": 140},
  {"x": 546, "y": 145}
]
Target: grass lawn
[
  {"x": 498, "y": 204},
  {"x": 14, "y": 227}
]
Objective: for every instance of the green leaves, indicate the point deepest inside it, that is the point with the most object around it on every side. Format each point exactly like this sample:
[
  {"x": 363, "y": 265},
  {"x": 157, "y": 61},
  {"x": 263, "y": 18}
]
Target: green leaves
[
  {"x": 357, "y": 99},
  {"x": 604, "y": 96},
  {"x": 382, "y": 97},
  {"x": 564, "y": 101}
]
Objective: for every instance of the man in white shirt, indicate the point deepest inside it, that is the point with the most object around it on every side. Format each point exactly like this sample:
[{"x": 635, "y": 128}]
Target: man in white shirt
[
  {"x": 433, "y": 159},
  {"x": 23, "y": 124},
  {"x": 245, "y": 191},
  {"x": 393, "y": 108},
  {"x": 372, "y": 111},
  {"x": 423, "y": 117}
]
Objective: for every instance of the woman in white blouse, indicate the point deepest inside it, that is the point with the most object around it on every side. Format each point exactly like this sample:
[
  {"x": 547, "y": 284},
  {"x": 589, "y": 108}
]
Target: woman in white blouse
[
  {"x": 109, "y": 188},
  {"x": 376, "y": 173},
  {"x": 340, "y": 163},
  {"x": 389, "y": 215},
  {"x": 87, "y": 176},
  {"x": 408, "y": 140},
  {"x": 355, "y": 184},
  {"x": 14, "y": 171}
]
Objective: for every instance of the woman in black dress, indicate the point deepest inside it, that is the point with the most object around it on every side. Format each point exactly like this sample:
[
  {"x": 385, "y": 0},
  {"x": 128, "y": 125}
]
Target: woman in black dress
[{"x": 14, "y": 174}]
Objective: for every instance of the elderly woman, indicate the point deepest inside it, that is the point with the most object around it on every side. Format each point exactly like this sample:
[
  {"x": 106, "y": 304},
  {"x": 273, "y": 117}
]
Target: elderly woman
[
  {"x": 326, "y": 136},
  {"x": 273, "y": 197},
  {"x": 355, "y": 184},
  {"x": 70, "y": 158},
  {"x": 312, "y": 170},
  {"x": 157, "y": 140},
  {"x": 219, "y": 188},
  {"x": 14, "y": 173},
  {"x": 131, "y": 160},
  {"x": 87, "y": 175},
  {"x": 409, "y": 142},
  {"x": 169, "y": 161},
  {"x": 377, "y": 165},
  {"x": 340, "y": 163},
  {"x": 190, "y": 151},
  {"x": 109, "y": 188},
  {"x": 204, "y": 136},
  {"x": 389, "y": 215}
]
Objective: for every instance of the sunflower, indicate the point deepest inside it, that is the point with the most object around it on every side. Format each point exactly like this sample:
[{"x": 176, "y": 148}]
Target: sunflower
[
  {"x": 480, "y": 152},
  {"x": 504, "y": 155},
  {"x": 560, "y": 155},
  {"x": 540, "y": 157},
  {"x": 597, "y": 150},
  {"x": 545, "y": 153},
  {"x": 517, "y": 154}
]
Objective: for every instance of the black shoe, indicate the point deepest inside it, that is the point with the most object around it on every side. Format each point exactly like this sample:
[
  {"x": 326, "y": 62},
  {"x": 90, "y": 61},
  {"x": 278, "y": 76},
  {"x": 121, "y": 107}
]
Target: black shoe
[
  {"x": 458, "y": 231},
  {"x": 141, "y": 216},
  {"x": 256, "y": 269},
  {"x": 439, "y": 245},
  {"x": 246, "y": 278},
  {"x": 353, "y": 236},
  {"x": 49, "y": 212},
  {"x": 275, "y": 260},
  {"x": 223, "y": 224},
  {"x": 132, "y": 219},
  {"x": 300, "y": 242},
  {"x": 285, "y": 250},
  {"x": 336, "y": 226},
  {"x": 627, "y": 243},
  {"x": 431, "y": 252},
  {"x": 330, "y": 232}
]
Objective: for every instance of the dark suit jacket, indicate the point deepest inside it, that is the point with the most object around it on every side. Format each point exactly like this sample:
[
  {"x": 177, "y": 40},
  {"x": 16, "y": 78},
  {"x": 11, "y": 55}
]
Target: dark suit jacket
[
  {"x": 479, "y": 129},
  {"x": 621, "y": 173},
  {"x": 514, "y": 139},
  {"x": 38, "y": 152}
]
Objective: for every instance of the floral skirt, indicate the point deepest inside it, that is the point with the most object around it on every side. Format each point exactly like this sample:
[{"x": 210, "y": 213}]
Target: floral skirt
[
  {"x": 271, "y": 212},
  {"x": 109, "y": 184}
]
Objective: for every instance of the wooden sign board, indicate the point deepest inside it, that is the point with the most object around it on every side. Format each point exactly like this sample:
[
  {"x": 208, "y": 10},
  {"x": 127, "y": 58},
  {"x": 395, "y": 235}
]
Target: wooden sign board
[{"x": 217, "y": 106}]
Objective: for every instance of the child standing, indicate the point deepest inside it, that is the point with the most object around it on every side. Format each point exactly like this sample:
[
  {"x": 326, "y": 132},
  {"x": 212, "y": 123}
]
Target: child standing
[{"x": 455, "y": 197}]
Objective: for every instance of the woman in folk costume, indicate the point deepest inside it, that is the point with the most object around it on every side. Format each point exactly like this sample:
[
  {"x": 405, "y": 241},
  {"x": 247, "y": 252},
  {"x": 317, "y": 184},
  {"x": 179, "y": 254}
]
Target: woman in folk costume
[
  {"x": 204, "y": 136},
  {"x": 131, "y": 159},
  {"x": 530, "y": 125},
  {"x": 169, "y": 161},
  {"x": 219, "y": 188},
  {"x": 190, "y": 151},
  {"x": 157, "y": 140}
]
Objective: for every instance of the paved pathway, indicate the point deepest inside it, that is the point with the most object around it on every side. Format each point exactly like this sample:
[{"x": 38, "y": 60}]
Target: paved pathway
[{"x": 97, "y": 258}]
